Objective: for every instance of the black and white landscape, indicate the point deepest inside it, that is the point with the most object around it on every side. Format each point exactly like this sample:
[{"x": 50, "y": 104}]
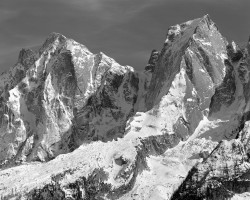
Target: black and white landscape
[{"x": 77, "y": 125}]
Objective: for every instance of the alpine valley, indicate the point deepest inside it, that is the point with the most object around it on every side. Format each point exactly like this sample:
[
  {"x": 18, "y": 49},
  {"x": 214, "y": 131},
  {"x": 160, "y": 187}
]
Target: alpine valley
[{"x": 77, "y": 125}]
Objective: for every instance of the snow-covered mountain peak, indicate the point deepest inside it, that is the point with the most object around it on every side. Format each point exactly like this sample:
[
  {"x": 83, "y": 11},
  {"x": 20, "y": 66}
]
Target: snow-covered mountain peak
[
  {"x": 53, "y": 39},
  {"x": 186, "y": 30},
  {"x": 198, "y": 38}
]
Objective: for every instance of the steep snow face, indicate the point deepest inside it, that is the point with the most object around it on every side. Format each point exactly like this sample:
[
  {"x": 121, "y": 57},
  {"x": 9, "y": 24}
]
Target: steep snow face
[
  {"x": 94, "y": 171},
  {"x": 61, "y": 97}
]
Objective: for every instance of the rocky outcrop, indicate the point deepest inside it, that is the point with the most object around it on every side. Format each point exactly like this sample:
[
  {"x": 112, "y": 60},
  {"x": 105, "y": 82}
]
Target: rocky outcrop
[{"x": 152, "y": 61}]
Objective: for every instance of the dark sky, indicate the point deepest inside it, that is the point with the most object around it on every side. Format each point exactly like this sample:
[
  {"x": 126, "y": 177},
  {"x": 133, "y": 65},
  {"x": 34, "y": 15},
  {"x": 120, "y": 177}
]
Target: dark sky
[{"x": 126, "y": 30}]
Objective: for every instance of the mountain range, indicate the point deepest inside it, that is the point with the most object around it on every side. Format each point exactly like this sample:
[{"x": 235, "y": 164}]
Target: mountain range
[{"x": 78, "y": 125}]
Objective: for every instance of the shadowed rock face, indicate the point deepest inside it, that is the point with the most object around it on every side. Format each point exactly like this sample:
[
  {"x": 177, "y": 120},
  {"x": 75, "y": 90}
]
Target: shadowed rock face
[
  {"x": 152, "y": 61},
  {"x": 178, "y": 130}
]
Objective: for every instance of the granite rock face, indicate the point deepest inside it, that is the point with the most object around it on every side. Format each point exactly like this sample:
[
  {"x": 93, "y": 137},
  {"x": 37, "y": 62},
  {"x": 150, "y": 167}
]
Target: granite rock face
[{"x": 81, "y": 126}]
